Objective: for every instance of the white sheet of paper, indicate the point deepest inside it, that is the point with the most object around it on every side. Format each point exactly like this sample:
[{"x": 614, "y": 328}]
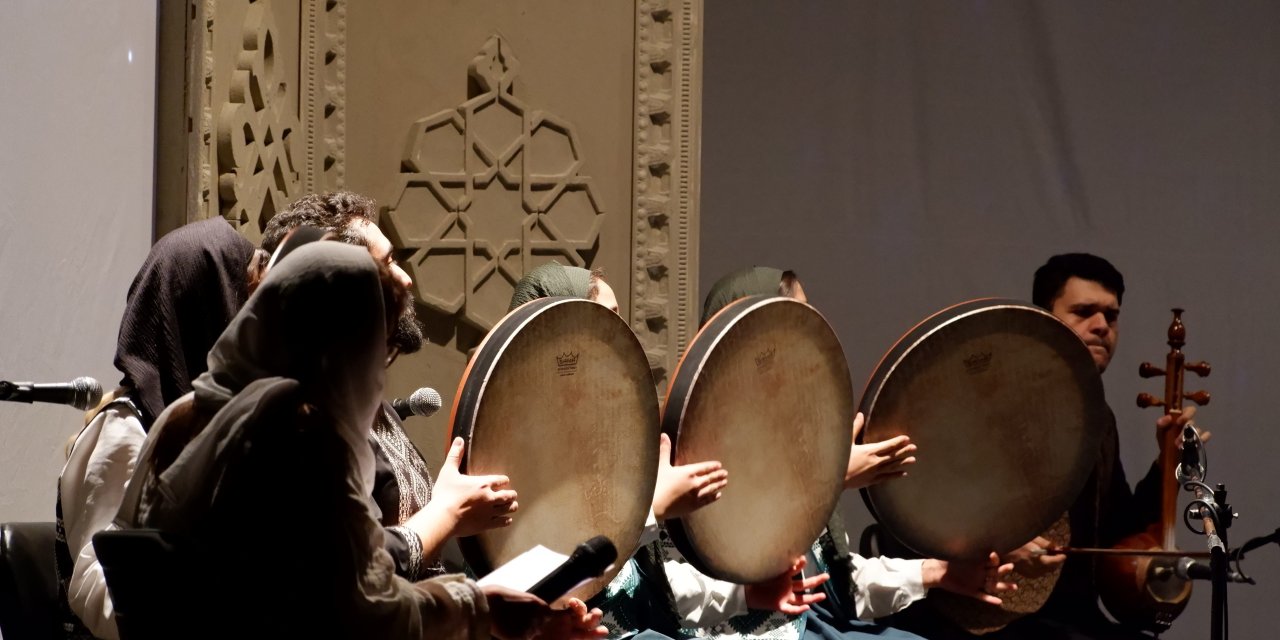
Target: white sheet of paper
[{"x": 525, "y": 570}]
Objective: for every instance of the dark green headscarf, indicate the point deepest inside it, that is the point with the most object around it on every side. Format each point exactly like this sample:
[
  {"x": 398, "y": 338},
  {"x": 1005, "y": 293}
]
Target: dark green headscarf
[
  {"x": 551, "y": 279},
  {"x": 755, "y": 281}
]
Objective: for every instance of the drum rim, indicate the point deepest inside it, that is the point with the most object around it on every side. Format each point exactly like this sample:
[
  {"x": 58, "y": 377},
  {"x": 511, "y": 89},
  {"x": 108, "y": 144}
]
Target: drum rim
[
  {"x": 910, "y": 340},
  {"x": 739, "y": 309},
  {"x": 755, "y": 302},
  {"x": 510, "y": 327}
]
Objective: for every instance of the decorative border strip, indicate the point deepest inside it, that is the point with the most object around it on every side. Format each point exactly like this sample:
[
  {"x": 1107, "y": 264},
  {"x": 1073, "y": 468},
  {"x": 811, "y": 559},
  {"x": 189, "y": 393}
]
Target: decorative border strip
[{"x": 667, "y": 149}]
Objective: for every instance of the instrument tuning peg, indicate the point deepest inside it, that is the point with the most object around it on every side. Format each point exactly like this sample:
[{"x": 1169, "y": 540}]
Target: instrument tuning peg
[
  {"x": 1147, "y": 400},
  {"x": 1199, "y": 397},
  {"x": 1148, "y": 370},
  {"x": 1201, "y": 368}
]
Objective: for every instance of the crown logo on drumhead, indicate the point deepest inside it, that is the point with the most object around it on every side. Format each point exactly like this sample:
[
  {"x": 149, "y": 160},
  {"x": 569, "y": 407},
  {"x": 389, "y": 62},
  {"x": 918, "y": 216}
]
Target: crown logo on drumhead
[
  {"x": 977, "y": 362},
  {"x": 765, "y": 358},
  {"x": 567, "y": 363}
]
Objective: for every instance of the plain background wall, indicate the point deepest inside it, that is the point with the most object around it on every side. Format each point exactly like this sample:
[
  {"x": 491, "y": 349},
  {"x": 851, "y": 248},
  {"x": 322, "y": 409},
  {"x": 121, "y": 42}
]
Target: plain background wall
[
  {"x": 77, "y": 85},
  {"x": 906, "y": 156}
]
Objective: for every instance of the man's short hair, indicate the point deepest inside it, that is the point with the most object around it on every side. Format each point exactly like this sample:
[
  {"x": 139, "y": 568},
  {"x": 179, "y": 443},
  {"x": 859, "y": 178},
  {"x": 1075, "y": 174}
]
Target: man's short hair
[
  {"x": 1053, "y": 275},
  {"x": 333, "y": 212}
]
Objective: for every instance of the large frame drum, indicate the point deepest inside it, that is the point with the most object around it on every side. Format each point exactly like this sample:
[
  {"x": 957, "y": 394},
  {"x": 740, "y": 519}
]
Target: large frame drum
[
  {"x": 559, "y": 398},
  {"x": 1006, "y": 405},
  {"x": 764, "y": 388}
]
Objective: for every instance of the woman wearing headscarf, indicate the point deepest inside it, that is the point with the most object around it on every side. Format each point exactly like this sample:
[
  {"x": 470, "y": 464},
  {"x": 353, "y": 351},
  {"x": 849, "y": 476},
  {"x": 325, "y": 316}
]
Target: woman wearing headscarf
[
  {"x": 191, "y": 284},
  {"x": 292, "y": 387}
]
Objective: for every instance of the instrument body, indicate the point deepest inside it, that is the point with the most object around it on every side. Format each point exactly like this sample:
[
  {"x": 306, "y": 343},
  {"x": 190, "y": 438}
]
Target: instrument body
[
  {"x": 559, "y": 398},
  {"x": 1009, "y": 401},
  {"x": 764, "y": 388},
  {"x": 1143, "y": 591}
]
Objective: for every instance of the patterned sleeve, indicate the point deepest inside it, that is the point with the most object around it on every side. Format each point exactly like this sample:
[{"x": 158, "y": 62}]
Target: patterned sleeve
[{"x": 405, "y": 548}]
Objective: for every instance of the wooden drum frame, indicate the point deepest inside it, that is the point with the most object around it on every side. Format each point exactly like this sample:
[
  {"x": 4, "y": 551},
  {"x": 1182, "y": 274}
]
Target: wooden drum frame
[{"x": 559, "y": 398}]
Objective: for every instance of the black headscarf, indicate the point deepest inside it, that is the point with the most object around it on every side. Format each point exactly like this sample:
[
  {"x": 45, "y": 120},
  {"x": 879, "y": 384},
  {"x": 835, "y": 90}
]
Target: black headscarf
[
  {"x": 191, "y": 285},
  {"x": 754, "y": 281}
]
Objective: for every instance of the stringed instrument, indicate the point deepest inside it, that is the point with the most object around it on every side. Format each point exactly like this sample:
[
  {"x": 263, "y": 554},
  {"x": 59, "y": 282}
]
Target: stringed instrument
[{"x": 1141, "y": 590}]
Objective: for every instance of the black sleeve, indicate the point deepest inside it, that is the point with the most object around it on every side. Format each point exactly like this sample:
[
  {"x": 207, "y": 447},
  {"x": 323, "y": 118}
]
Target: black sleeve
[{"x": 1124, "y": 512}]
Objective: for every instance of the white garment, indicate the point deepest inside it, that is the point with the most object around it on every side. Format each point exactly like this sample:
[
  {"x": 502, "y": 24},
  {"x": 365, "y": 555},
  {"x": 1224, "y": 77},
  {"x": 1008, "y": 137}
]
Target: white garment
[
  {"x": 884, "y": 586},
  {"x": 92, "y": 486}
]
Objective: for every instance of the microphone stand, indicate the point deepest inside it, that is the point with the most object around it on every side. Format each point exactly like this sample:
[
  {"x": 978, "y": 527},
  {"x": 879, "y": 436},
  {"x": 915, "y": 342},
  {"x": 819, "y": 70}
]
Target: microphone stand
[{"x": 1209, "y": 507}]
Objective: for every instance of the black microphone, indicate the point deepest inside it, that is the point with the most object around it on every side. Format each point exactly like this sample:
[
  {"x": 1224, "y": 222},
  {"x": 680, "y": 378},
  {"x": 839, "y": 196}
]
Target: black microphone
[
  {"x": 83, "y": 393},
  {"x": 589, "y": 560},
  {"x": 1190, "y": 569},
  {"x": 1190, "y": 467},
  {"x": 423, "y": 402}
]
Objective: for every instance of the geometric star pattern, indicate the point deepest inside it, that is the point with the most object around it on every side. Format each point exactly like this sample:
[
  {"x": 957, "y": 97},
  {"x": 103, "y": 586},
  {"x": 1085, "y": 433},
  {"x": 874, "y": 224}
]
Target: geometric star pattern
[{"x": 486, "y": 191}]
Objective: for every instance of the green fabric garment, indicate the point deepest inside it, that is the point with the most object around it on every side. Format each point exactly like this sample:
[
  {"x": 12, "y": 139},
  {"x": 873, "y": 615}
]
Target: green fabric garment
[
  {"x": 551, "y": 279},
  {"x": 755, "y": 281}
]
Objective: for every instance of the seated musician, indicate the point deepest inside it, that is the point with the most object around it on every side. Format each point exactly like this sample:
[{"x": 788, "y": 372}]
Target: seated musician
[
  {"x": 190, "y": 286},
  {"x": 1084, "y": 291},
  {"x": 860, "y": 588},
  {"x": 293, "y": 409}
]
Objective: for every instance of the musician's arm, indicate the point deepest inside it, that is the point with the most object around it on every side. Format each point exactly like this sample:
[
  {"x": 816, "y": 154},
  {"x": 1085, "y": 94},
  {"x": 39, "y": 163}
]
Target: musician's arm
[{"x": 1122, "y": 511}]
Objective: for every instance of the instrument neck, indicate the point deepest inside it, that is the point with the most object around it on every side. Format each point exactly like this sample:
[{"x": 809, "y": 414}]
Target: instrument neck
[{"x": 1170, "y": 456}]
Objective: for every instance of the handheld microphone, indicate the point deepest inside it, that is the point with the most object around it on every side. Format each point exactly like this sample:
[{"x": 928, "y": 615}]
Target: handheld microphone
[
  {"x": 83, "y": 393},
  {"x": 423, "y": 402},
  {"x": 589, "y": 560}
]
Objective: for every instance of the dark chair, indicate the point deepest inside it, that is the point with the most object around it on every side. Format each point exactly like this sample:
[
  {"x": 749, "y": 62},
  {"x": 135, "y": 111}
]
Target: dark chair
[
  {"x": 28, "y": 580},
  {"x": 141, "y": 569}
]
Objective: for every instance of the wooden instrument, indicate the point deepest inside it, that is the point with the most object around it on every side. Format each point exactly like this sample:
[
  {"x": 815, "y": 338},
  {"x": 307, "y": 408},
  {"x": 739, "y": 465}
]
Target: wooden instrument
[
  {"x": 764, "y": 388},
  {"x": 1139, "y": 590},
  {"x": 1006, "y": 405},
  {"x": 559, "y": 398}
]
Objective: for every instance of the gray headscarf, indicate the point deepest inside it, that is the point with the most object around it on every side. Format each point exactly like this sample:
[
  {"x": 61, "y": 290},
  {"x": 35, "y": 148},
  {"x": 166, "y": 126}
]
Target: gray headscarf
[
  {"x": 314, "y": 329},
  {"x": 551, "y": 279},
  {"x": 755, "y": 281}
]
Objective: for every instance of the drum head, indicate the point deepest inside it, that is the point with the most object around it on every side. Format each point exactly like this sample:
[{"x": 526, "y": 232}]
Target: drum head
[
  {"x": 1006, "y": 406},
  {"x": 763, "y": 388},
  {"x": 559, "y": 398}
]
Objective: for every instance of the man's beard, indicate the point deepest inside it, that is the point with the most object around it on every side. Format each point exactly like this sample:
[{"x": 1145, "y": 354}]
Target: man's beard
[{"x": 408, "y": 336}]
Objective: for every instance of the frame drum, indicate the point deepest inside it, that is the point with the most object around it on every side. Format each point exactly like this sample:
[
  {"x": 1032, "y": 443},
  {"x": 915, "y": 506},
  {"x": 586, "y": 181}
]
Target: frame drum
[
  {"x": 559, "y": 398},
  {"x": 1006, "y": 405},
  {"x": 763, "y": 388}
]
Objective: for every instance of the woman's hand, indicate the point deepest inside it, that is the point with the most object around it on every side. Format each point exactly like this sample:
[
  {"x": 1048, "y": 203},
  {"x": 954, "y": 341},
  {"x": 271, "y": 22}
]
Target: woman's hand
[
  {"x": 516, "y": 615},
  {"x": 979, "y": 579},
  {"x": 785, "y": 595},
  {"x": 878, "y": 461},
  {"x": 683, "y": 489}
]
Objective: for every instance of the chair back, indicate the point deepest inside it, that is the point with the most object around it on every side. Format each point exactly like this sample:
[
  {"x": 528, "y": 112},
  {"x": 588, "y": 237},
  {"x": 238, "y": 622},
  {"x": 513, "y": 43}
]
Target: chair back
[{"x": 28, "y": 580}]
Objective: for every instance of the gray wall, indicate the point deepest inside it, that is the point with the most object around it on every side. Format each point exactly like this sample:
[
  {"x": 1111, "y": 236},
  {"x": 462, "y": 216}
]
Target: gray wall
[
  {"x": 76, "y": 102},
  {"x": 906, "y": 156}
]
